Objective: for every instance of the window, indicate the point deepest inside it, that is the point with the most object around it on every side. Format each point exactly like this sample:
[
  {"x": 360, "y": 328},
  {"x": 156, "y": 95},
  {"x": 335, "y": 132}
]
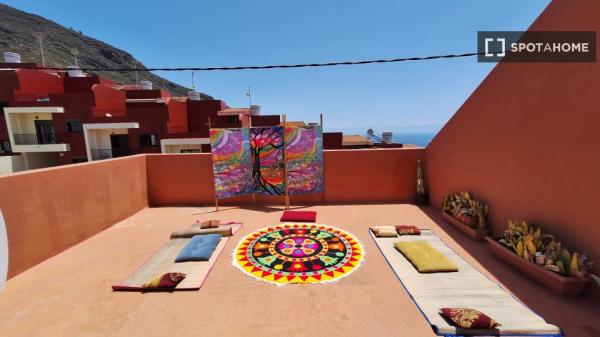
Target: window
[
  {"x": 148, "y": 139},
  {"x": 5, "y": 146},
  {"x": 74, "y": 125},
  {"x": 234, "y": 119},
  {"x": 79, "y": 160}
]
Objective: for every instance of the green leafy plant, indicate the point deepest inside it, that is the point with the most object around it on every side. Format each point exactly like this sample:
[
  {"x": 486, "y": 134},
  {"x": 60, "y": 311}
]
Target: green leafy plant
[
  {"x": 530, "y": 243},
  {"x": 466, "y": 209}
]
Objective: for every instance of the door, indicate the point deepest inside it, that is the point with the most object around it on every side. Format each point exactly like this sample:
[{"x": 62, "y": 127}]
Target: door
[
  {"x": 44, "y": 131},
  {"x": 119, "y": 145}
]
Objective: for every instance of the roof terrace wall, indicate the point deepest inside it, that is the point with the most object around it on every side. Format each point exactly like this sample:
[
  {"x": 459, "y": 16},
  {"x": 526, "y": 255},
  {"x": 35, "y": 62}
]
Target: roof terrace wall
[{"x": 527, "y": 140}]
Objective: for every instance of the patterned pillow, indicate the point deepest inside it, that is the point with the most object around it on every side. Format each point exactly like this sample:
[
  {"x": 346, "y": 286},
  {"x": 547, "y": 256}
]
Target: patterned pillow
[
  {"x": 408, "y": 230},
  {"x": 468, "y": 318},
  {"x": 165, "y": 281},
  {"x": 384, "y": 231}
]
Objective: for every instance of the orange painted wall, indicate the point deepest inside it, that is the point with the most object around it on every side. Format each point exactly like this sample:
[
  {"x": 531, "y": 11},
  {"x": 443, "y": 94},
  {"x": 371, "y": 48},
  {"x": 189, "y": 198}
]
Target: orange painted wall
[
  {"x": 527, "y": 140},
  {"x": 49, "y": 210},
  {"x": 351, "y": 176}
]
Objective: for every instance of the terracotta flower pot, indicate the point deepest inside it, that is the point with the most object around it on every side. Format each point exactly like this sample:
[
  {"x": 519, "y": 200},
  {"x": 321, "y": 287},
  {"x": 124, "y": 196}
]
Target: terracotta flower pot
[
  {"x": 558, "y": 284},
  {"x": 475, "y": 234}
]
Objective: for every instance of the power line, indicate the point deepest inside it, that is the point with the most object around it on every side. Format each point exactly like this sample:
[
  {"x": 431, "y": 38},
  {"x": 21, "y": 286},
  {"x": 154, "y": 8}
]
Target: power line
[{"x": 280, "y": 66}]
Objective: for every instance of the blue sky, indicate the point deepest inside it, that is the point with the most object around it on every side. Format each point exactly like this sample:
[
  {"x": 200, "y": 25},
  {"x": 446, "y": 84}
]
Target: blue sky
[{"x": 409, "y": 96}]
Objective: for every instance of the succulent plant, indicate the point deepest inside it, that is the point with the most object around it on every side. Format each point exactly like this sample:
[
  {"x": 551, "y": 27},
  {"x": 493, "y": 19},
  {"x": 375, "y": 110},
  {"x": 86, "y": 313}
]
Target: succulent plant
[
  {"x": 530, "y": 243},
  {"x": 470, "y": 211}
]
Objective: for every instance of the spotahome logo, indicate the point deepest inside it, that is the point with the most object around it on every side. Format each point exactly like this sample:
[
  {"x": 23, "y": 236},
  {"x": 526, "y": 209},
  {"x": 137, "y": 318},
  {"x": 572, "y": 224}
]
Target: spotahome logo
[{"x": 536, "y": 46}]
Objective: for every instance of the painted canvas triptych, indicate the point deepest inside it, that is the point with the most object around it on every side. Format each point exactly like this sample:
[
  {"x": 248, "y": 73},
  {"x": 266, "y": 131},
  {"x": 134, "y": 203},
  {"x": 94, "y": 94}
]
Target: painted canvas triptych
[{"x": 256, "y": 160}]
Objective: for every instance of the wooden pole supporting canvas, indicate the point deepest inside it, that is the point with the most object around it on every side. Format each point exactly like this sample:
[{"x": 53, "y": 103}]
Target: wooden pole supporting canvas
[
  {"x": 250, "y": 126},
  {"x": 323, "y": 144},
  {"x": 285, "y": 184},
  {"x": 216, "y": 200}
]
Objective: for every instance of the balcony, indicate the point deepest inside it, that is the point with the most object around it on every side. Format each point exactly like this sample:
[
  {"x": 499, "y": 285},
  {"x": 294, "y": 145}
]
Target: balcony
[
  {"x": 99, "y": 154},
  {"x": 31, "y": 129},
  {"x": 35, "y": 139}
]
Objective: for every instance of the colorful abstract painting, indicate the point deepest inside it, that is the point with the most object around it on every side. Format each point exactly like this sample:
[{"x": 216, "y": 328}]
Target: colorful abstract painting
[
  {"x": 304, "y": 156},
  {"x": 266, "y": 148},
  {"x": 232, "y": 165},
  {"x": 298, "y": 253}
]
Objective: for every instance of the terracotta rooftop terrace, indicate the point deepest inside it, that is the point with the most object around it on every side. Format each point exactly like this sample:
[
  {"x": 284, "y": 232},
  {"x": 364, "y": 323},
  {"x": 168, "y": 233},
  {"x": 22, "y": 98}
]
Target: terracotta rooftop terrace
[
  {"x": 69, "y": 294},
  {"x": 526, "y": 141}
]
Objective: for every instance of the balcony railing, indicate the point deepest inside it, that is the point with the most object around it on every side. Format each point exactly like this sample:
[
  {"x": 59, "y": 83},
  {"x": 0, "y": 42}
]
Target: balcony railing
[
  {"x": 35, "y": 139},
  {"x": 98, "y": 154}
]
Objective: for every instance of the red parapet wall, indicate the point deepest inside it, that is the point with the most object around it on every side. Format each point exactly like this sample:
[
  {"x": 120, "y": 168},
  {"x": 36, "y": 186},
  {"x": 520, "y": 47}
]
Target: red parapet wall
[
  {"x": 108, "y": 100},
  {"x": 34, "y": 84},
  {"x": 178, "y": 116},
  {"x": 527, "y": 141},
  {"x": 351, "y": 176},
  {"x": 49, "y": 210}
]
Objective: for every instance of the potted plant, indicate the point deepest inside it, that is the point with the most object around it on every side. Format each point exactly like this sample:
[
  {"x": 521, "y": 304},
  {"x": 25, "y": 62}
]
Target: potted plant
[
  {"x": 467, "y": 214},
  {"x": 543, "y": 258}
]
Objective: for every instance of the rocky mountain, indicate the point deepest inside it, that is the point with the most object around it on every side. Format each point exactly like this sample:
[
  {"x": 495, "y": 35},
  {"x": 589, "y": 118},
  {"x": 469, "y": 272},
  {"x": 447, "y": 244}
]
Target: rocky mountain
[{"x": 20, "y": 32}]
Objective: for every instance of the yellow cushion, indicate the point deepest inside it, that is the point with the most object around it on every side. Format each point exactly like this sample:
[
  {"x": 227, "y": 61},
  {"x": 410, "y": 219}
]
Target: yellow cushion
[
  {"x": 384, "y": 231},
  {"x": 424, "y": 257}
]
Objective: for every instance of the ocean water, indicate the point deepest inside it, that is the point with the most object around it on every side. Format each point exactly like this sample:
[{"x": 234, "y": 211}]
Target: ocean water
[
  {"x": 406, "y": 136},
  {"x": 420, "y": 139}
]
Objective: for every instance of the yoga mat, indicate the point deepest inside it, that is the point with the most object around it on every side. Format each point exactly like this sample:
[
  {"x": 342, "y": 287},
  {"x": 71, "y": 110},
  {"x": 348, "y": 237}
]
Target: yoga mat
[
  {"x": 163, "y": 261},
  {"x": 466, "y": 288}
]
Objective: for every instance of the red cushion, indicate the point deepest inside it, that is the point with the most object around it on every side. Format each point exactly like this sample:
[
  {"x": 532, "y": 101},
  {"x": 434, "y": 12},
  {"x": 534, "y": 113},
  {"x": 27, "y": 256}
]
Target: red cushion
[
  {"x": 299, "y": 216},
  {"x": 468, "y": 318},
  {"x": 165, "y": 281},
  {"x": 408, "y": 230}
]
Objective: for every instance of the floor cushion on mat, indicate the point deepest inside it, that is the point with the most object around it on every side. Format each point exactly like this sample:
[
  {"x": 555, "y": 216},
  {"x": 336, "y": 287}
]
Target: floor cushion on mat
[
  {"x": 408, "y": 230},
  {"x": 468, "y": 318},
  {"x": 424, "y": 257},
  {"x": 165, "y": 281},
  {"x": 193, "y": 231},
  {"x": 200, "y": 248},
  {"x": 384, "y": 231},
  {"x": 299, "y": 216}
]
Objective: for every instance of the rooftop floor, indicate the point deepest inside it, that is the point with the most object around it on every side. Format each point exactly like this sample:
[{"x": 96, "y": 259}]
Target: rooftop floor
[{"x": 70, "y": 294}]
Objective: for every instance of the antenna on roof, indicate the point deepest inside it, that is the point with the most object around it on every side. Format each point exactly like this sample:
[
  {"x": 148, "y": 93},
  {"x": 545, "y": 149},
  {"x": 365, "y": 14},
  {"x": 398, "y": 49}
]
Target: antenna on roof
[
  {"x": 75, "y": 52},
  {"x": 193, "y": 85},
  {"x": 372, "y": 136},
  {"x": 249, "y": 94},
  {"x": 41, "y": 49}
]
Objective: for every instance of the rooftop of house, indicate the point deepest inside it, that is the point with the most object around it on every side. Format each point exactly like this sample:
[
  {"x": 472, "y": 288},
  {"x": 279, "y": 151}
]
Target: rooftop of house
[
  {"x": 356, "y": 140},
  {"x": 70, "y": 293}
]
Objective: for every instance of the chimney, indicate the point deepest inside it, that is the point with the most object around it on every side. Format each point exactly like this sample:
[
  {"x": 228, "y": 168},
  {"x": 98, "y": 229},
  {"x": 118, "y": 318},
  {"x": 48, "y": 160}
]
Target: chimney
[
  {"x": 75, "y": 72},
  {"x": 12, "y": 57},
  {"x": 194, "y": 96},
  {"x": 387, "y": 137},
  {"x": 145, "y": 85},
  {"x": 255, "y": 110}
]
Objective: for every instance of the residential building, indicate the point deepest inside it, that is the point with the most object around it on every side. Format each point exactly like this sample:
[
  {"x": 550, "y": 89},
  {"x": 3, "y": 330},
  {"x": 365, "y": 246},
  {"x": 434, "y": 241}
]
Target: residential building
[{"x": 55, "y": 118}]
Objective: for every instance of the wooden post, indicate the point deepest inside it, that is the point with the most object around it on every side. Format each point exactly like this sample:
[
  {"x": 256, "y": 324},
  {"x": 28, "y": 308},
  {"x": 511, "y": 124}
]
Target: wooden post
[
  {"x": 216, "y": 200},
  {"x": 286, "y": 196},
  {"x": 322, "y": 144},
  {"x": 250, "y": 126}
]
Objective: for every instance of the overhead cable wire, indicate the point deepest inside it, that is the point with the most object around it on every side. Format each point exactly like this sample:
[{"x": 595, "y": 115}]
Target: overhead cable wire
[{"x": 280, "y": 66}]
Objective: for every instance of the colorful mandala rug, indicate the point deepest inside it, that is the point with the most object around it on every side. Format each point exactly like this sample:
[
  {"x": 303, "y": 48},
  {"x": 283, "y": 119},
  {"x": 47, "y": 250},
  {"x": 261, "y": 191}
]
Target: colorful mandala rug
[{"x": 298, "y": 253}]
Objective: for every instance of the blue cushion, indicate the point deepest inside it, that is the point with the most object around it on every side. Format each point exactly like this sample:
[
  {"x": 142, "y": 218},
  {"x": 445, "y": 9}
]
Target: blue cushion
[{"x": 200, "y": 248}]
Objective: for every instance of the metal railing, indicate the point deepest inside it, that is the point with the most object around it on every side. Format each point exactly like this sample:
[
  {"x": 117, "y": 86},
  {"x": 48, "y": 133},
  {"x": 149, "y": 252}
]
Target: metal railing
[
  {"x": 35, "y": 139},
  {"x": 98, "y": 154}
]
